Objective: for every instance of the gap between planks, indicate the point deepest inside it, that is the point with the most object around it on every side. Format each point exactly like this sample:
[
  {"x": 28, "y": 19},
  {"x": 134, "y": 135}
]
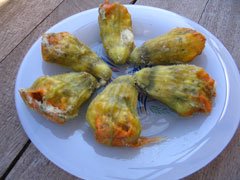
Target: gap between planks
[
  {"x": 30, "y": 32},
  {"x": 131, "y": 2},
  {"x": 204, "y": 9},
  {"x": 15, "y": 160}
]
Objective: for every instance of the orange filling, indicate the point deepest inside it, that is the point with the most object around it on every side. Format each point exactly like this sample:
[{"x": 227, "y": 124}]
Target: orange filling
[
  {"x": 107, "y": 6},
  {"x": 117, "y": 135},
  {"x": 205, "y": 77},
  {"x": 52, "y": 39},
  {"x": 207, "y": 104},
  {"x": 38, "y": 96}
]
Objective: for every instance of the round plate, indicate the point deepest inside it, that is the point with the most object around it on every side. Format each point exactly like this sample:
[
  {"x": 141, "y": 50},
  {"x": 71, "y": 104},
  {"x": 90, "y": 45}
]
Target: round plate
[{"x": 191, "y": 142}]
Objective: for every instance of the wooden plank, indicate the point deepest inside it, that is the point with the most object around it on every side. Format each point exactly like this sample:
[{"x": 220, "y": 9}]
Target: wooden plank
[
  {"x": 34, "y": 165},
  {"x": 212, "y": 171},
  {"x": 187, "y": 8},
  {"x": 19, "y": 18},
  {"x": 222, "y": 18},
  {"x": 225, "y": 166},
  {"x": 12, "y": 136}
]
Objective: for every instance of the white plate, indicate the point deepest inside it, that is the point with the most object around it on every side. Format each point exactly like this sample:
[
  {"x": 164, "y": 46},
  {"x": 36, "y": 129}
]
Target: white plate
[{"x": 192, "y": 142}]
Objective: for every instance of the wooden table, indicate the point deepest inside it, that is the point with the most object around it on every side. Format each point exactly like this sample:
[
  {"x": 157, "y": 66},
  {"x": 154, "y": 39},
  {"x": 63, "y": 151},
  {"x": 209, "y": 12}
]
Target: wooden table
[{"x": 22, "y": 22}]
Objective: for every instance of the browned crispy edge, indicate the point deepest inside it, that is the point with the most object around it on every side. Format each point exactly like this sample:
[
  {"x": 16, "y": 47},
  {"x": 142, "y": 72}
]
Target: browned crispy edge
[{"x": 54, "y": 117}]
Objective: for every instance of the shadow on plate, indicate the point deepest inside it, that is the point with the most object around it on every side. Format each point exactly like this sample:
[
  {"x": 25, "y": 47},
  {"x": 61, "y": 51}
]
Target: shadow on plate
[
  {"x": 61, "y": 131},
  {"x": 201, "y": 60},
  {"x": 53, "y": 69}
]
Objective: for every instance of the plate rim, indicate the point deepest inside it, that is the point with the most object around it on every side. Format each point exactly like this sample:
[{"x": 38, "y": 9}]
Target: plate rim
[{"x": 234, "y": 74}]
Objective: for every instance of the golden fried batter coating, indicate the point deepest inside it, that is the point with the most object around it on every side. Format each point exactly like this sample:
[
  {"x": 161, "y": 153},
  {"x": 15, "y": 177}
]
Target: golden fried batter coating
[
  {"x": 180, "y": 45},
  {"x": 184, "y": 88},
  {"x": 116, "y": 31},
  {"x": 59, "y": 97},
  {"x": 65, "y": 49},
  {"x": 113, "y": 115}
]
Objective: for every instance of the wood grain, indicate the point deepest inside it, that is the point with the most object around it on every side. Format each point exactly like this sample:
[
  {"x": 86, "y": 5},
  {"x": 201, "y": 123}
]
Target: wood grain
[
  {"x": 188, "y": 8},
  {"x": 12, "y": 136},
  {"x": 19, "y": 18},
  {"x": 34, "y": 165},
  {"x": 222, "y": 18},
  {"x": 225, "y": 166}
]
